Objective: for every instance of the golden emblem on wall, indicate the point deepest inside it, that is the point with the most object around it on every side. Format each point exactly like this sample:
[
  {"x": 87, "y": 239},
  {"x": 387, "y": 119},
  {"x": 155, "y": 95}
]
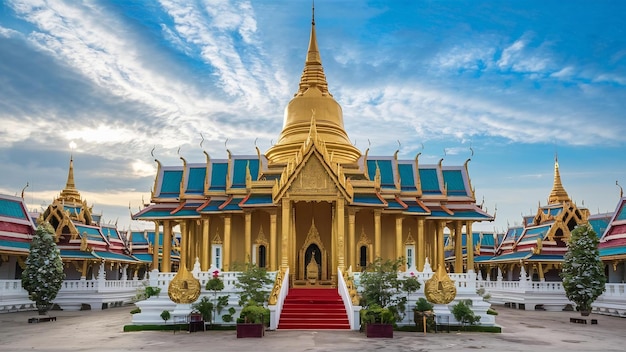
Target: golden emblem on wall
[
  {"x": 184, "y": 288},
  {"x": 440, "y": 289}
]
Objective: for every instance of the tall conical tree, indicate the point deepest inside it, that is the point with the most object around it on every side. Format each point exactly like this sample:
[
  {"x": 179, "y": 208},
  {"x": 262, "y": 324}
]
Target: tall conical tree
[
  {"x": 44, "y": 274},
  {"x": 583, "y": 271}
]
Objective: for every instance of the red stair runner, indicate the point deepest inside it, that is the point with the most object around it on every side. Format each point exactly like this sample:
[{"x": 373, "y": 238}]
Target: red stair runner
[{"x": 313, "y": 309}]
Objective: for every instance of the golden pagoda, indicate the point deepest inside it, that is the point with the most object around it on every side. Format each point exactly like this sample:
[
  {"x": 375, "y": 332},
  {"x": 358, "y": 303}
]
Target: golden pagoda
[{"x": 313, "y": 198}]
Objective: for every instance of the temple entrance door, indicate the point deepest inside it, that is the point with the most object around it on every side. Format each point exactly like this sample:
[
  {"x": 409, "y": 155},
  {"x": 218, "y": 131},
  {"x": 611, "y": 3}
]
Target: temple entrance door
[{"x": 312, "y": 260}]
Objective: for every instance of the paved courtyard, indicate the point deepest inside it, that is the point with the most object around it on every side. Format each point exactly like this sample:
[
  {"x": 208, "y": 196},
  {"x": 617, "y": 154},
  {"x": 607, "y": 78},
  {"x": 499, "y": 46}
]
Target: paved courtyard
[{"x": 102, "y": 331}]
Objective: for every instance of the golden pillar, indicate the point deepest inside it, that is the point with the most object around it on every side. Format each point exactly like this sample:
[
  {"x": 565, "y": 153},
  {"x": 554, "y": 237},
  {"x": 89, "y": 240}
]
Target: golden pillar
[
  {"x": 184, "y": 244},
  {"x": 248, "y": 236},
  {"x": 440, "y": 257},
  {"x": 205, "y": 252},
  {"x": 272, "y": 254},
  {"x": 155, "y": 247},
  {"x": 166, "y": 265},
  {"x": 341, "y": 227},
  {"x": 377, "y": 236},
  {"x": 226, "y": 249},
  {"x": 421, "y": 245},
  {"x": 470, "y": 245},
  {"x": 540, "y": 269},
  {"x": 399, "y": 239},
  {"x": 285, "y": 229},
  {"x": 458, "y": 247},
  {"x": 351, "y": 238}
]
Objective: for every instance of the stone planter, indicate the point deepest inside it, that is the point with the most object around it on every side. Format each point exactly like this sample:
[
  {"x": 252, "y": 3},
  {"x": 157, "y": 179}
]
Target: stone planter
[
  {"x": 250, "y": 330},
  {"x": 379, "y": 330}
]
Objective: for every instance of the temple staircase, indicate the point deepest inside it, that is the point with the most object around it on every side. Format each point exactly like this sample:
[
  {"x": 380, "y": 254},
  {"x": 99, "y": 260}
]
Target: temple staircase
[{"x": 313, "y": 309}]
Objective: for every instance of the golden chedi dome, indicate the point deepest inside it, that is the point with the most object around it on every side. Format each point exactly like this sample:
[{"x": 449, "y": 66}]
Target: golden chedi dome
[{"x": 313, "y": 99}]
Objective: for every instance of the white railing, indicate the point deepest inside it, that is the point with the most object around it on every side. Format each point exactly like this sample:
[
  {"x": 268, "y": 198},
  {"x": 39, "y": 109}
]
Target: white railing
[
  {"x": 276, "y": 309},
  {"x": 612, "y": 301},
  {"x": 351, "y": 310}
]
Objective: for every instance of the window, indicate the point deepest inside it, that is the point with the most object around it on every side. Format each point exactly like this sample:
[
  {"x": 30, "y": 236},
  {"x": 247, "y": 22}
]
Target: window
[
  {"x": 217, "y": 256},
  {"x": 409, "y": 253}
]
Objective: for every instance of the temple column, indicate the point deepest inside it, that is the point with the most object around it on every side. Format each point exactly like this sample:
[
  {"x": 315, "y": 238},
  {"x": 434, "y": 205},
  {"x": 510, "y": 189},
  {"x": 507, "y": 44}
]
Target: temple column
[
  {"x": 285, "y": 229},
  {"x": 377, "y": 236},
  {"x": 184, "y": 245},
  {"x": 421, "y": 245},
  {"x": 248, "y": 236},
  {"x": 227, "y": 230},
  {"x": 272, "y": 254},
  {"x": 458, "y": 247},
  {"x": 399, "y": 240},
  {"x": 205, "y": 259},
  {"x": 470, "y": 246},
  {"x": 540, "y": 269},
  {"x": 83, "y": 273},
  {"x": 351, "y": 238},
  {"x": 166, "y": 265},
  {"x": 440, "y": 257},
  {"x": 341, "y": 226},
  {"x": 155, "y": 247}
]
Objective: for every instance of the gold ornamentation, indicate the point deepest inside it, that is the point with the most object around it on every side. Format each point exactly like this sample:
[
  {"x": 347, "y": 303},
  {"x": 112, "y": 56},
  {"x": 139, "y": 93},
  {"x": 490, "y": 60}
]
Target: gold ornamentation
[
  {"x": 278, "y": 283},
  {"x": 440, "y": 289},
  {"x": 184, "y": 288}
]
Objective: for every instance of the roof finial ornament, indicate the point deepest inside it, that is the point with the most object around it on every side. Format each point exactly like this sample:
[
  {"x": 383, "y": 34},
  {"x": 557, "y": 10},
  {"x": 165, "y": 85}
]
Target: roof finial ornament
[
  {"x": 621, "y": 190},
  {"x": 202, "y": 140},
  {"x": 313, "y": 12},
  {"x": 23, "y": 189}
]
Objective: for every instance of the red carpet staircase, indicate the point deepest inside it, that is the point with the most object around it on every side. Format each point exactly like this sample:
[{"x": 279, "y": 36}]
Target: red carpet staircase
[{"x": 313, "y": 309}]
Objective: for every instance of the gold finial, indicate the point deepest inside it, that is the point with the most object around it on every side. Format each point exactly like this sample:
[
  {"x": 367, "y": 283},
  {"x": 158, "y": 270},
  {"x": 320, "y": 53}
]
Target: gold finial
[
  {"x": 70, "y": 193},
  {"x": 24, "y": 189},
  {"x": 313, "y": 12},
  {"x": 558, "y": 194},
  {"x": 621, "y": 190}
]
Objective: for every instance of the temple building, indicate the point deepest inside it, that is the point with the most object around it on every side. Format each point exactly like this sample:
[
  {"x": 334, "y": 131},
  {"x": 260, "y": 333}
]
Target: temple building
[
  {"x": 613, "y": 244},
  {"x": 312, "y": 197},
  {"x": 538, "y": 246}
]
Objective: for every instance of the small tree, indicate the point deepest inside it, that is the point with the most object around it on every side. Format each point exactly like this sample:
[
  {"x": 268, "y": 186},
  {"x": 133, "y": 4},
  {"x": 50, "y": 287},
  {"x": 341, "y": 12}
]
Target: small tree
[
  {"x": 253, "y": 282},
  {"x": 583, "y": 271},
  {"x": 381, "y": 289},
  {"x": 464, "y": 314},
  {"x": 44, "y": 274}
]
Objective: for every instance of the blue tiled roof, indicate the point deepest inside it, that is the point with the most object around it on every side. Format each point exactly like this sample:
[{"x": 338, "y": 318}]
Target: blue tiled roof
[
  {"x": 12, "y": 209},
  {"x": 15, "y": 245},
  {"x": 393, "y": 204},
  {"x": 429, "y": 181},
  {"x": 455, "y": 183},
  {"x": 195, "y": 182},
  {"x": 92, "y": 233},
  {"x": 239, "y": 171},
  {"x": 513, "y": 233},
  {"x": 611, "y": 251},
  {"x": 511, "y": 256},
  {"x": 115, "y": 256},
  {"x": 414, "y": 207},
  {"x": 75, "y": 254},
  {"x": 599, "y": 225},
  {"x": 143, "y": 257},
  {"x": 138, "y": 237},
  {"x": 170, "y": 187},
  {"x": 186, "y": 212},
  {"x": 256, "y": 199},
  {"x": 367, "y": 199},
  {"x": 218, "y": 176},
  {"x": 534, "y": 233},
  {"x": 386, "y": 172},
  {"x": 552, "y": 211},
  {"x": 407, "y": 177},
  {"x": 545, "y": 257},
  {"x": 233, "y": 205},
  {"x": 621, "y": 215},
  {"x": 72, "y": 209},
  {"x": 482, "y": 258},
  {"x": 111, "y": 232}
]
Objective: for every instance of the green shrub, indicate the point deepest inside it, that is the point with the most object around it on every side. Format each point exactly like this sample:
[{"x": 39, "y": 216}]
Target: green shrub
[
  {"x": 464, "y": 314},
  {"x": 136, "y": 310},
  {"x": 152, "y": 291},
  {"x": 254, "y": 314}
]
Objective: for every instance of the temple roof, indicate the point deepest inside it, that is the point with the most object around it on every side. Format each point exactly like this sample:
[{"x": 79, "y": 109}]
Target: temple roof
[{"x": 558, "y": 193}]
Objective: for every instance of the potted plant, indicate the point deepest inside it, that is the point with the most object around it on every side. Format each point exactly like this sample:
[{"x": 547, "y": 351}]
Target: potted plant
[
  {"x": 583, "y": 271},
  {"x": 381, "y": 299},
  {"x": 423, "y": 314},
  {"x": 253, "y": 283}
]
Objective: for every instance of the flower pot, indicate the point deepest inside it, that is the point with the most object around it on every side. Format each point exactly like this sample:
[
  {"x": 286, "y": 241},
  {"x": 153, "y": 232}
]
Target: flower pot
[
  {"x": 585, "y": 313},
  {"x": 379, "y": 330},
  {"x": 250, "y": 330}
]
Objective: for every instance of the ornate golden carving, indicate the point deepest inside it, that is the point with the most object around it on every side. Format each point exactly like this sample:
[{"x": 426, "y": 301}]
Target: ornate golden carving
[
  {"x": 184, "y": 288},
  {"x": 440, "y": 289},
  {"x": 278, "y": 283}
]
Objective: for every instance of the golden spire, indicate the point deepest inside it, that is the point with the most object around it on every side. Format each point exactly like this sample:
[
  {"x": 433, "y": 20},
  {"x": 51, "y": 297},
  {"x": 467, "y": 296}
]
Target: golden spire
[
  {"x": 313, "y": 94},
  {"x": 558, "y": 194},
  {"x": 70, "y": 193}
]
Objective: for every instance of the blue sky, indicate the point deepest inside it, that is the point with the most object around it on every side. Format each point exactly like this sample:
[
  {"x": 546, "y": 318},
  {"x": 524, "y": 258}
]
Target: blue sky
[{"x": 515, "y": 81}]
